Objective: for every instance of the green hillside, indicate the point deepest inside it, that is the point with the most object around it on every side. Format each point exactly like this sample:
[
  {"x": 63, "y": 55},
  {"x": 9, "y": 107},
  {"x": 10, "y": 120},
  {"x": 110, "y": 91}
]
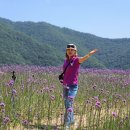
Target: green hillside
[{"x": 44, "y": 44}]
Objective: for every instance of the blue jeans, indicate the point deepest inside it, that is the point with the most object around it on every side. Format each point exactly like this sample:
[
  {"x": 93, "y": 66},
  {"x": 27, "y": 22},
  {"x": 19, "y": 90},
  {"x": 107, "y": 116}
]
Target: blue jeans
[{"x": 69, "y": 95}]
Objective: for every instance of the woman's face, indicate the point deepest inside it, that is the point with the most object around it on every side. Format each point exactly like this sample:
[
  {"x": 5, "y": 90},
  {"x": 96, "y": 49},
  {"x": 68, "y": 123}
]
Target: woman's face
[{"x": 70, "y": 52}]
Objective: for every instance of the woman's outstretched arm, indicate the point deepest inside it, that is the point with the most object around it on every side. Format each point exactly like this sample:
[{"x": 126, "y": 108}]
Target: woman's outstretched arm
[{"x": 82, "y": 59}]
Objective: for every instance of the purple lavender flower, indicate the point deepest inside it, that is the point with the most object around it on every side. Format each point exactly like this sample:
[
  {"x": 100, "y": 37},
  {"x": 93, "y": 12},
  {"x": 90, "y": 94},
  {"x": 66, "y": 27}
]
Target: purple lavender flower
[
  {"x": 46, "y": 89},
  {"x": 25, "y": 122},
  {"x": 10, "y": 83},
  {"x": 51, "y": 90},
  {"x": 124, "y": 101},
  {"x": 114, "y": 114},
  {"x": 70, "y": 109},
  {"x": 96, "y": 98},
  {"x": 98, "y": 104},
  {"x": 3, "y": 110},
  {"x": 2, "y": 105},
  {"x": 6, "y": 120},
  {"x": 104, "y": 100},
  {"x": 14, "y": 92},
  {"x": 53, "y": 86},
  {"x": 94, "y": 87},
  {"x": 52, "y": 97},
  {"x": 87, "y": 101},
  {"x": 127, "y": 117}
]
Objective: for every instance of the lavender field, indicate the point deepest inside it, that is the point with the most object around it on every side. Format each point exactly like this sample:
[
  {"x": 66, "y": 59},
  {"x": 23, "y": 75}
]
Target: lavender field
[{"x": 35, "y": 101}]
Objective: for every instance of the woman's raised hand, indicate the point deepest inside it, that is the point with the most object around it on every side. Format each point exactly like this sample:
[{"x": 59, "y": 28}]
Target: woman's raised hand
[{"x": 93, "y": 51}]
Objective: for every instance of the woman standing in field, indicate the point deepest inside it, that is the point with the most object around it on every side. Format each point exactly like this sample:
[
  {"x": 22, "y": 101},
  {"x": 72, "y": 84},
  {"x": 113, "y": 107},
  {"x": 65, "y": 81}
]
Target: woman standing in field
[{"x": 70, "y": 81}]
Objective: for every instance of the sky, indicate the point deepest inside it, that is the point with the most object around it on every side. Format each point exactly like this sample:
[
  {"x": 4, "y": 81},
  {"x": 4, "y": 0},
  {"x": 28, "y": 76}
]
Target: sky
[{"x": 103, "y": 18}]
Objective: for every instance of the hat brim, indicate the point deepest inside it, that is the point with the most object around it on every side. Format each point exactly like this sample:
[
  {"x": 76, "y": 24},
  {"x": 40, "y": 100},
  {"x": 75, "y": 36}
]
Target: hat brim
[{"x": 71, "y": 48}]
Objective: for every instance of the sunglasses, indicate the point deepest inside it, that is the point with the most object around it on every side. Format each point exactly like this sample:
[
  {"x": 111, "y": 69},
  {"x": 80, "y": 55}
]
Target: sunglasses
[{"x": 70, "y": 46}]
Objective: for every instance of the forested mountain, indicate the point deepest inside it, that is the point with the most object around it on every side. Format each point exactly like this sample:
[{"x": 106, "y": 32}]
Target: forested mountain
[{"x": 44, "y": 44}]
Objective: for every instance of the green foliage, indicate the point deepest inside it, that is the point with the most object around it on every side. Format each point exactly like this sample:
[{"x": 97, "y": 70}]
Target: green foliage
[{"x": 44, "y": 44}]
